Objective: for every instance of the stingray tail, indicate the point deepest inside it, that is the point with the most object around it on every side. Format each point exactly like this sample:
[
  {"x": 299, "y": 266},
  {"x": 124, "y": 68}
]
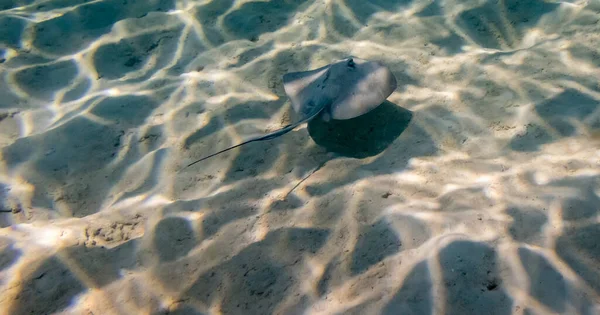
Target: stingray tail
[{"x": 268, "y": 136}]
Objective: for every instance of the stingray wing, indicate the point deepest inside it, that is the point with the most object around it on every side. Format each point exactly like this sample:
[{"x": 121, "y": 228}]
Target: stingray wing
[
  {"x": 364, "y": 86},
  {"x": 310, "y": 91}
]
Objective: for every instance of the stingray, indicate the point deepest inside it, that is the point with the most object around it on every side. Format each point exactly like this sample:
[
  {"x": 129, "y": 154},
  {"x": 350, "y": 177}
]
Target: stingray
[{"x": 345, "y": 89}]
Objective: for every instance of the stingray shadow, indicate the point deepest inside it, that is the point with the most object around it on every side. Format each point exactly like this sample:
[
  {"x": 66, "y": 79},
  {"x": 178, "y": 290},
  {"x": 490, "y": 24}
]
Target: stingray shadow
[{"x": 364, "y": 136}]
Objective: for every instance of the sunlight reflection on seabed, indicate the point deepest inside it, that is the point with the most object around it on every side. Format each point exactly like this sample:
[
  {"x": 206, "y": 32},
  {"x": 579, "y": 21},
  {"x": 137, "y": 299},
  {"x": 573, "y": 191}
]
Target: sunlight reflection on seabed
[{"x": 474, "y": 190}]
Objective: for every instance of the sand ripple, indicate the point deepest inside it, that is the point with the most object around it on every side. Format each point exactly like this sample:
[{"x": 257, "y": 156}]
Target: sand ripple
[{"x": 474, "y": 190}]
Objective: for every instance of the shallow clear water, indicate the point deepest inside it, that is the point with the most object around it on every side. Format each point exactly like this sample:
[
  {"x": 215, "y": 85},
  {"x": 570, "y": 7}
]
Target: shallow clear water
[{"x": 475, "y": 189}]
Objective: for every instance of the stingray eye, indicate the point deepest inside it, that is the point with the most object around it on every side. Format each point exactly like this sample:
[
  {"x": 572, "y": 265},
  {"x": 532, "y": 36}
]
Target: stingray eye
[{"x": 351, "y": 63}]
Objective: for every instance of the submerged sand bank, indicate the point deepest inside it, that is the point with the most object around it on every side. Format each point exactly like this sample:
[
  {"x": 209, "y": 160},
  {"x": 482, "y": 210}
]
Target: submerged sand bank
[{"x": 474, "y": 190}]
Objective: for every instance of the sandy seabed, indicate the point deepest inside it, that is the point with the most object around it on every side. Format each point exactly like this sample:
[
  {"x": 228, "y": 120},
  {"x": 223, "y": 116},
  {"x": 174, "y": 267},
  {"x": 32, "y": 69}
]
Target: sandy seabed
[{"x": 475, "y": 189}]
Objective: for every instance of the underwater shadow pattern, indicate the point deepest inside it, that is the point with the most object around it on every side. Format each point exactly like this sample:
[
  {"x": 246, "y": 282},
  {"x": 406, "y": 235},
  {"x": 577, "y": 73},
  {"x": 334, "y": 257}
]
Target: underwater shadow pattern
[
  {"x": 9, "y": 4},
  {"x": 62, "y": 157},
  {"x": 11, "y": 31},
  {"x": 415, "y": 296},
  {"x": 375, "y": 242},
  {"x": 364, "y": 9},
  {"x": 180, "y": 309},
  {"x": 245, "y": 23},
  {"x": 151, "y": 51},
  {"x": 509, "y": 20},
  {"x": 102, "y": 265},
  {"x": 75, "y": 29},
  {"x": 8, "y": 253},
  {"x": 577, "y": 246},
  {"x": 257, "y": 279},
  {"x": 207, "y": 15},
  {"x": 48, "y": 289},
  {"x": 395, "y": 157},
  {"x": 546, "y": 284},
  {"x": 229, "y": 206},
  {"x": 364, "y": 136},
  {"x": 52, "y": 286},
  {"x": 558, "y": 112},
  {"x": 471, "y": 276},
  {"x": 528, "y": 224},
  {"x": 44, "y": 81},
  {"x": 173, "y": 238}
]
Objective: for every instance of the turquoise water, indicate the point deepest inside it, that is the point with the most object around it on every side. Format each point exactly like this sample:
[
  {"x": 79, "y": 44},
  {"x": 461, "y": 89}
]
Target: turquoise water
[{"x": 474, "y": 189}]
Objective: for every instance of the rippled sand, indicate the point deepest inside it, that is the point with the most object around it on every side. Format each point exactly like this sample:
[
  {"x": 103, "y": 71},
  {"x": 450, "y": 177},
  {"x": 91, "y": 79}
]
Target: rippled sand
[{"x": 474, "y": 190}]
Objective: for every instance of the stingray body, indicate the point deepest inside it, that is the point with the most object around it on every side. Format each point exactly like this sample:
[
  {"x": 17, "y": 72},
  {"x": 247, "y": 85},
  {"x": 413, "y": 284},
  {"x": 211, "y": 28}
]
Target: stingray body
[{"x": 342, "y": 90}]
